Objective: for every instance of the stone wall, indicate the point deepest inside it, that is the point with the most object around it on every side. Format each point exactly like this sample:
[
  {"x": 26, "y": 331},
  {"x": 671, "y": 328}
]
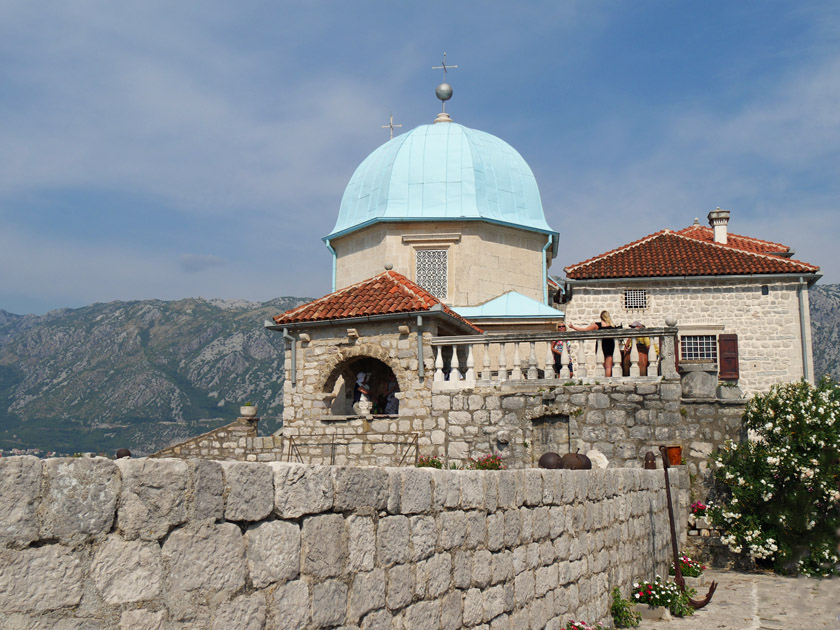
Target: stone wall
[
  {"x": 768, "y": 328},
  {"x": 159, "y": 543},
  {"x": 235, "y": 441}
]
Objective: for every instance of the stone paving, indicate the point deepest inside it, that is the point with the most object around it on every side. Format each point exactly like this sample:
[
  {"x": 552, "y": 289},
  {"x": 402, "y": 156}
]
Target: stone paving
[{"x": 762, "y": 601}]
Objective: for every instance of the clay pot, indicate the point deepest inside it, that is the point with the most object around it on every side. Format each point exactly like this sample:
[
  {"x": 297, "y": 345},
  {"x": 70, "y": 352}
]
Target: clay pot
[{"x": 674, "y": 454}]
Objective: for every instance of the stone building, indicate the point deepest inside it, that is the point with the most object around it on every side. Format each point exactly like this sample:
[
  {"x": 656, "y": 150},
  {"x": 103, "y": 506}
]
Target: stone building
[{"x": 742, "y": 302}]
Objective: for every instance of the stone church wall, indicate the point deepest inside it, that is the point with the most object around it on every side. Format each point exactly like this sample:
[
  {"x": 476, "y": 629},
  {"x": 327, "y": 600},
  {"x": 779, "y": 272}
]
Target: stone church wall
[
  {"x": 160, "y": 543},
  {"x": 767, "y": 326}
]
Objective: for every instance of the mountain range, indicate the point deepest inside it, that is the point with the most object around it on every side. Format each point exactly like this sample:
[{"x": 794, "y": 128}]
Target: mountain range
[{"x": 145, "y": 374}]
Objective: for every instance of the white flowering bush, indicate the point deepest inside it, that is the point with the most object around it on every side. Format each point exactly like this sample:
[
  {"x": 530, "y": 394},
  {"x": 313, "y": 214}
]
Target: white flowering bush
[{"x": 781, "y": 490}]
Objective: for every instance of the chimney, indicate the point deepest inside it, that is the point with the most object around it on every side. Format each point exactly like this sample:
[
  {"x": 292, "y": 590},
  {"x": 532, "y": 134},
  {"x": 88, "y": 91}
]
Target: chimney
[{"x": 719, "y": 219}]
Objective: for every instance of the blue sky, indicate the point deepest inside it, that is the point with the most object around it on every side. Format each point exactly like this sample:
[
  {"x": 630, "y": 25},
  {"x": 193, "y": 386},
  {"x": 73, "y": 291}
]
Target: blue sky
[{"x": 166, "y": 150}]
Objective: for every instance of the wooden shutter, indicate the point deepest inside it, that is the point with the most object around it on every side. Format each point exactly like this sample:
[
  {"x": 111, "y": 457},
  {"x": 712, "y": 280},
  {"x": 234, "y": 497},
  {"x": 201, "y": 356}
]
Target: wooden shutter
[{"x": 728, "y": 357}]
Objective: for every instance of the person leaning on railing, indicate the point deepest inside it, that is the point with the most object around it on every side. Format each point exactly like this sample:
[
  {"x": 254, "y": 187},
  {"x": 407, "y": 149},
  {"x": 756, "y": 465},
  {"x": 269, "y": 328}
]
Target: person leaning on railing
[
  {"x": 642, "y": 345},
  {"x": 557, "y": 349},
  {"x": 607, "y": 345}
]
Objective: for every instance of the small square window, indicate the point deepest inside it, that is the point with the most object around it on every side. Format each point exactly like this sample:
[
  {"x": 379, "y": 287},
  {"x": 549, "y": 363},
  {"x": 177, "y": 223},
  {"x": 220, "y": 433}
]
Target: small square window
[
  {"x": 635, "y": 298},
  {"x": 698, "y": 348},
  {"x": 765, "y": 290}
]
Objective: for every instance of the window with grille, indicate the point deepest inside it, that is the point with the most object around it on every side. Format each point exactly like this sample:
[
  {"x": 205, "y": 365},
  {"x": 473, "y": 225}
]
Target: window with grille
[
  {"x": 431, "y": 271},
  {"x": 698, "y": 348},
  {"x": 635, "y": 298}
]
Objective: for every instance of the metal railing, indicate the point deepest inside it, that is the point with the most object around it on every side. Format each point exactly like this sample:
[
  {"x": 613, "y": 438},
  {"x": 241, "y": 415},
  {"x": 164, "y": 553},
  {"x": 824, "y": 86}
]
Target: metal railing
[{"x": 330, "y": 445}]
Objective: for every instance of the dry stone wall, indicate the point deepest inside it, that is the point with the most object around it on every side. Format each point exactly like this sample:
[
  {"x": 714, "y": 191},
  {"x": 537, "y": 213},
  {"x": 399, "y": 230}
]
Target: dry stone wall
[
  {"x": 172, "y": 544},
  {"x": 235, "y": 441}
]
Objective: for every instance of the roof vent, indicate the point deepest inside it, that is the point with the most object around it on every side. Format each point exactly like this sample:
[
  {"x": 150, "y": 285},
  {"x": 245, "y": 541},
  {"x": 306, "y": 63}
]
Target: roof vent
[{"x": 719, "y": 220}]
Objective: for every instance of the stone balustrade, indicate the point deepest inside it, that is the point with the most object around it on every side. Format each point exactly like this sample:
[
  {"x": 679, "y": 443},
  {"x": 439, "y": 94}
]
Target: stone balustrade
[
  {"x": 461, "y": 361},
  {"x": 162, "y": 543}
]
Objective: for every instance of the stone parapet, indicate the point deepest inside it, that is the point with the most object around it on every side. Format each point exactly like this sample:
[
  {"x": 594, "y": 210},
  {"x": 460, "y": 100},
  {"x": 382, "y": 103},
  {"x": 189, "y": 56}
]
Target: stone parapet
[{"x": 206, "y": 544}]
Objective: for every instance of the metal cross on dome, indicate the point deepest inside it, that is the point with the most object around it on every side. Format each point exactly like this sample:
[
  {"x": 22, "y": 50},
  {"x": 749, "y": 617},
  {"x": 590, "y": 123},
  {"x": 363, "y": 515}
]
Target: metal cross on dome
[
  {"x": 391, "y": 125},
  {"x": 443, "y": 67}
]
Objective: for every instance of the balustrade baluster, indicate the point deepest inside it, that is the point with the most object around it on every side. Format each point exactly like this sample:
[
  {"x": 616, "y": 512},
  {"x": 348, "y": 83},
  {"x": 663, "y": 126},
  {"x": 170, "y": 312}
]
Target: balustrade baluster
[
  {"x": 516, "y": 373},
  {"x": 470, "y": 375},
  {"x": 634, "y": 358},
  {"x": 549, "y": 361},
  {"x": 599, "y": 359},
  {"x": 564, "y": 362},
  {"x": 485, "y": 372},
  {"x": 455, "y": 372},
  {"x": 581, "y": 369},
  {"x": 439, "y": 377},
  {"x": 533, "y": 374},
  {"x": 503, "y": 374}
]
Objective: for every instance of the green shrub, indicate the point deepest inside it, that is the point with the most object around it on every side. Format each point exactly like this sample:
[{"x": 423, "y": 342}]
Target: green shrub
[
  {"x": 429, "y": 461},
  {"x": 688, "y": 567},
  {"x": 622, "y": 611},
  {"x": 659, "y": 593},
  {"x": 780, "y": 493}
]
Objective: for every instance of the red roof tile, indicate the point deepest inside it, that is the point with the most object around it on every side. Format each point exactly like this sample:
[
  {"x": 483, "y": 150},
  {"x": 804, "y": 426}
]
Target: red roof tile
[
  {"x": 386, "y": 293},
  {"x": 668, "y": 253},
  {"x": 707, "y": 234}
]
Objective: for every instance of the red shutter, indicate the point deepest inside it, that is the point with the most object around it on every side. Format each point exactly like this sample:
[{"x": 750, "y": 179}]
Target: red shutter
[{"x": 728, "y": 357}]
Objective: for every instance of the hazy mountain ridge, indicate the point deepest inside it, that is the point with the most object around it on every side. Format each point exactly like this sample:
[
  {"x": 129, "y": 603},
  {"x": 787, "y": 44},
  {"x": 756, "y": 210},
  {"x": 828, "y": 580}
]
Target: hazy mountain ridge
[
  {"x": 144, "y": 374},
  {"x": 140, "y": 374}
]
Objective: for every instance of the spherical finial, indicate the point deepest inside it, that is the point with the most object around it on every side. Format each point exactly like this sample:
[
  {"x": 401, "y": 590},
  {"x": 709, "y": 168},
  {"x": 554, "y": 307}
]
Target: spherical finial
[
  {"x": 389, "y": 266},
  {"x": 443, "y": 92}
]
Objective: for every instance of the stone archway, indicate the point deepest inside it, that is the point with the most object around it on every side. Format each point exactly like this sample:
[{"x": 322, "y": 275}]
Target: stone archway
[{"x": 340, "y": 383}]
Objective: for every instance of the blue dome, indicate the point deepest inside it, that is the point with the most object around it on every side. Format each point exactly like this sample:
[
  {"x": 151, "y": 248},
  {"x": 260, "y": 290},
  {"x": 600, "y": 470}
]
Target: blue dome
[{"x": 441, "y": 172}]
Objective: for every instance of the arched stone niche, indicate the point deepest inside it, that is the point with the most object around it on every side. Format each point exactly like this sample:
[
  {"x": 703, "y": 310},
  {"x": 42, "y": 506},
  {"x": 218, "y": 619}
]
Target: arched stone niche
[{"x": 339, "y": 385}]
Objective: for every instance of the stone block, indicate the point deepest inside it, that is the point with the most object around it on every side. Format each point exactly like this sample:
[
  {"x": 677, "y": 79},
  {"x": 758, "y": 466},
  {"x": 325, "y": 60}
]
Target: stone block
[
  {"x": 329, "y": 603},
  {"x": 290, "y": 608},
  {"x": 501, "y": 567},
  {"x": 392, "y": 540},
  {"x": 323, "y": 546},
  {"x": 358, "y": 488},
  {"x": 205, "y": 494},
  {"x": 452, "y": 529},
  {"x": 447, "y": 493},
  {"x": 423, "y": 615},
  {"x": 367, "y": 593},
  {"x": 246, "y": 612},
  {"x": 476, "y": 534},
  {"x": 127, "y": 571},
  {"x": 461, "y": 569},
  {"x": 473, "y": 607},
  {"x": 209, "y": 558},
  {"x": 472, "y": 489},
  {"x": 450, "y": 611},
  {"x": 249, "y": 491},
  {"x": 513, "y": 527},
  {"x": 361, "y": 543},
  {"x": 533, "y": 486},
  {"x": 416, "y": 495},
  {"x": 377, "y": 620},
  {"x": 300, "y": 490},
  {"x": 152, "y": 500},
  {"x": 20, "y": 486},
  {"x": 523, "y": 588},
  {"x": 400, "y": 586},
  {"x": 423, "y": 537},
  {"x": 507, "y": 488},
  {"x": 40, "y": 579},
  {"x": 143, "y": 620},
  {"x": 494, "y": 602},
  {"x": 273, "y": 551},
  {"x": 80, "y": 498},
  {"x": 496, "y": 531}
]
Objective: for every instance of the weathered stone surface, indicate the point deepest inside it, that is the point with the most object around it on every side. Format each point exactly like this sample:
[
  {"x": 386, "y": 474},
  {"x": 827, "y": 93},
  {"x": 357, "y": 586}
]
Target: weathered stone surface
[
  {"x": 205, "y": 497},
  {"x": 361, "y": 543},
  {"x": 210, "y": 558},
  {"x": 290, "y": 608},
  {"x": 247, "y": 612},
  {"x": 273, "y": 552},
  {"x": 152, "y": 499},
  {"x": 423, "y": 615},
  {"x": 143, "y": 620},
  {"x": 329, "y": 603},
  {"x": 360, "y": 488},
  {"x": 20, "y": 484},
  {"x": 300, "y": 490},
  {"x": 39, "y": 579},
  {"x": 392, "y": 541},
  {"x": 366, "y": 593},
  {"x": 127, "y": 571},
  {"x": 323, "y": 546},
  {"x": 80, "y": 496},
  {"x": 423, "y": 537},
  {"x": 249, "y": 491},
  {"x": 416, "y": 490}
]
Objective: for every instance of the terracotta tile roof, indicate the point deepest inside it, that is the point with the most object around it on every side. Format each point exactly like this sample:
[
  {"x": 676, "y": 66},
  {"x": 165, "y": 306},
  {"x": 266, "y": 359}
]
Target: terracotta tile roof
[
  {"x": 386, "y": 293},
  {"x": 666, "y": 253},
  {"x": 707, "y": 234}
]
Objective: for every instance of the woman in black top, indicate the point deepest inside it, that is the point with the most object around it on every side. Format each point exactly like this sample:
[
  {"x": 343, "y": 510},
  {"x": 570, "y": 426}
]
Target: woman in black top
[{"x": 608, "y": 345}]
